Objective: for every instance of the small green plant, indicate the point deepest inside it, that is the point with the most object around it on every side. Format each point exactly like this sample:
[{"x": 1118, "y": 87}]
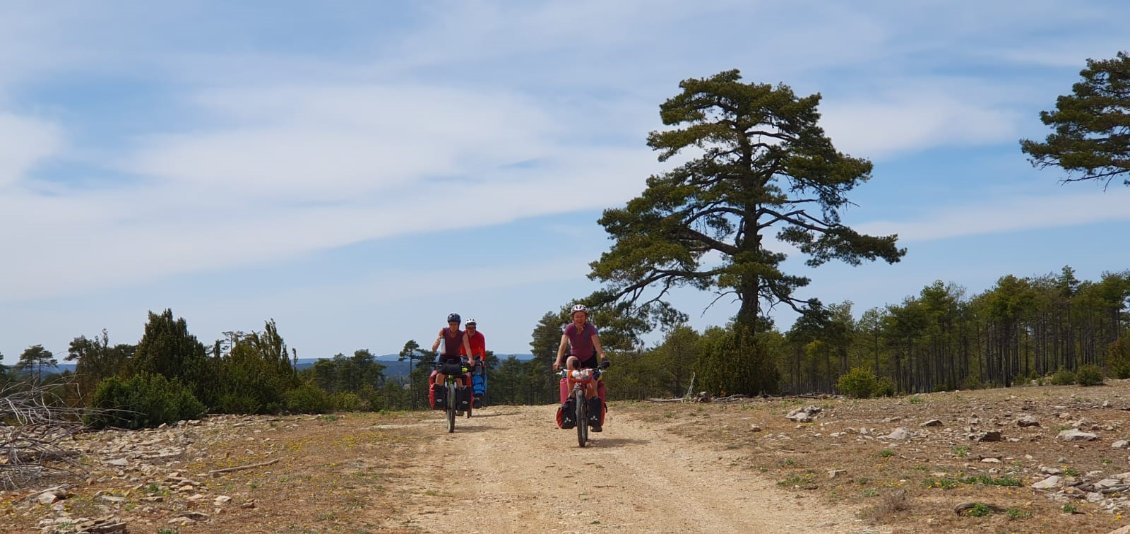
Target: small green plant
[
  {"x": 986, "y": 480},
  {"x": 870, "y": 492},
  {"x": 915, "y": 399},
  {"x": 328, "y": 418},
  {"x": 945, "y": 483},
  {"x": 886, "y": 453},
  {"x": 1069, "y": 508},
  {"x": 167, "y": 531},
  {"x": 1070, "y": 471},
  {"x": 1016, "y": 513},
  {"x": 802, "y": 480},
  {"x": 979, "y": 509},
  {"x": 961, "y": 451}
]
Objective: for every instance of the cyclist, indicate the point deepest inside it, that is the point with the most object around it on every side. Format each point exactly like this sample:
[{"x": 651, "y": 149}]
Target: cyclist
[
  {"x": 454, "y": 342},
  {"x": 587, "y": 353},
  {"x": 478, "y": 349}
]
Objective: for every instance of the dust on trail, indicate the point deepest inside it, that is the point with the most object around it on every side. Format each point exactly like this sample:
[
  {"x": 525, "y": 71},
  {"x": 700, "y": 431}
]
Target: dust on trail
[{"x": 510, "y": 469}]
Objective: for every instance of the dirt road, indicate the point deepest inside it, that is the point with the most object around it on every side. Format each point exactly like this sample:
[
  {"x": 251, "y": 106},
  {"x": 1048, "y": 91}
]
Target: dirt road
[{"x": 516, "y": 472}]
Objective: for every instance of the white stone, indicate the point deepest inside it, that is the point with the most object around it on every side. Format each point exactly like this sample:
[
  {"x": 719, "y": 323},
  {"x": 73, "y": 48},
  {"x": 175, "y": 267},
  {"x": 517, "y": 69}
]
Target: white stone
[{"x": 1048, "y": 483}]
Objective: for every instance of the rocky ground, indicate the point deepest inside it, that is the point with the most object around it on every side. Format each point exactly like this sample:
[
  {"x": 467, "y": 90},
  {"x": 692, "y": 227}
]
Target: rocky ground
[{"x": 1023, "y": 459}]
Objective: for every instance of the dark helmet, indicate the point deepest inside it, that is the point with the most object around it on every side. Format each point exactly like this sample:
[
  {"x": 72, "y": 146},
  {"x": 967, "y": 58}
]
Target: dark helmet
[{"x": 454, "y": 317}]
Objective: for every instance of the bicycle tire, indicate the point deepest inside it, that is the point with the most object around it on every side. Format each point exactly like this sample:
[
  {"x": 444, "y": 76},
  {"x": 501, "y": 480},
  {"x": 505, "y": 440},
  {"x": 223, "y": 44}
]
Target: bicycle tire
[
  {"x": 450, "y": 406},
  {"x": 582, "y": 416}
]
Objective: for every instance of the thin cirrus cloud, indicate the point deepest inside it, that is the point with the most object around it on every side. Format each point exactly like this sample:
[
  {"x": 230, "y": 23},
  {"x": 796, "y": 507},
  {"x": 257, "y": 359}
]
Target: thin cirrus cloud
[
  {"x": 24, "y": 142},
  {"x": 1012, "y": 215}
]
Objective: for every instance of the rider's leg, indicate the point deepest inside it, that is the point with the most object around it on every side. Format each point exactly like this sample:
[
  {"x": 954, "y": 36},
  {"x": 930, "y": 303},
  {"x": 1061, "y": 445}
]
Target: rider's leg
[{"x": 571, "y": 363}]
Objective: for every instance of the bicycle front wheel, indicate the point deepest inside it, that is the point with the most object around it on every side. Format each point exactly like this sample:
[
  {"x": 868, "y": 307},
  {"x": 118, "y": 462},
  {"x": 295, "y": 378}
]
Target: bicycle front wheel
[
  {"x": 582, "y": 417},
  {"x": 450, "y": 407}
]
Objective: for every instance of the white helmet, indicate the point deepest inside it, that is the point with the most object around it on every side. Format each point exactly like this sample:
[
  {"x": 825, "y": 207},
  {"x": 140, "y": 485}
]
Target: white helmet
[
  {"x": 580, "y": 308},
  {"x": 471, "y": 321}
]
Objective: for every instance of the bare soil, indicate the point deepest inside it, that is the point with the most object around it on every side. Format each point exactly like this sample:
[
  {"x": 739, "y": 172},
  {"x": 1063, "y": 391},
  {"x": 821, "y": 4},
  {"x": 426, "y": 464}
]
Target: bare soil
[{"x": 658, "y": 467}]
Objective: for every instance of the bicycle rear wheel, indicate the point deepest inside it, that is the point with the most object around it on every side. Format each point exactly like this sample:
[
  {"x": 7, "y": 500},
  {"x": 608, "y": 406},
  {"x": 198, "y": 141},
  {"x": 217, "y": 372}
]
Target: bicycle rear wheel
[
  {"x": 450, "y": 406},
  {"x": 582, "y": 417}
]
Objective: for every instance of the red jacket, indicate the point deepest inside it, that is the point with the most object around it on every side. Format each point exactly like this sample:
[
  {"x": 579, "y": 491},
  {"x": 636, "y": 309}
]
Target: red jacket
[{"x": 478, "y": 345}]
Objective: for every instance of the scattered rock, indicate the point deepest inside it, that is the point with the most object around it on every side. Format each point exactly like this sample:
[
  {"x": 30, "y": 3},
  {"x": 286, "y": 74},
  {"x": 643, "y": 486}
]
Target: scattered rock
[
  {"x": 833, "y": 473},
  {"x": 804, "y": 415},
  {"x": 992, "y": 435},
  {"x": 932, "y": 422},
  {"x": 1076, "y": 435},
  {"x": 1120, "y": 444},
  {"x": 753, "y": 427},
  {"x": 1048, "y": 483},
  {"x": 899, "y": 433},
  {"x": 1027, "y": 421}
]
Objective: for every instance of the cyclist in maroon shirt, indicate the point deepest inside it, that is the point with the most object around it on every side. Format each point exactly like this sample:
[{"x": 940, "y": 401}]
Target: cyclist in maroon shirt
[{"x": 454, "y": 342}]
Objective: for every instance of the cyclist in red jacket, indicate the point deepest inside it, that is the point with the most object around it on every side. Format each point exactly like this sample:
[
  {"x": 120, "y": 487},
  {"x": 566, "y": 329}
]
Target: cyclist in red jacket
[{"x": 478, "y": 349}]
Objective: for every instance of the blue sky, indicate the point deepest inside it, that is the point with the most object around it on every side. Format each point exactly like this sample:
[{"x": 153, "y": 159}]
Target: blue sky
[{"x": 357, "y": 170}]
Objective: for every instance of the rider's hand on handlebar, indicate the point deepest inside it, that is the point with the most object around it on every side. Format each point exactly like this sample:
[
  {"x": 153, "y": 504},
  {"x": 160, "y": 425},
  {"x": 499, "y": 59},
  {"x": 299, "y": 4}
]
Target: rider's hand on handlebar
[{"x": 557, "y": 365}]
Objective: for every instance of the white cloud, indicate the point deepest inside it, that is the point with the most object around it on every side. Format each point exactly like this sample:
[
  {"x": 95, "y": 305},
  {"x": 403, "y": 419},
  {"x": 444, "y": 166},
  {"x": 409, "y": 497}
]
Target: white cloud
[
  {"x": 1009, "y": 215},
  {"x": 916, "y": 118},
  {"x": 23, "y": 143}
]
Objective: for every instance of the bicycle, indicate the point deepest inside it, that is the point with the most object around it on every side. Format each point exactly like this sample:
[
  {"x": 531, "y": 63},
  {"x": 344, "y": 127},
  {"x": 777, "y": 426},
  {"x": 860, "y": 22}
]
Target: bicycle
[
  {"x": 584, "y": 388},
  {"x": 453, "y": 374}
]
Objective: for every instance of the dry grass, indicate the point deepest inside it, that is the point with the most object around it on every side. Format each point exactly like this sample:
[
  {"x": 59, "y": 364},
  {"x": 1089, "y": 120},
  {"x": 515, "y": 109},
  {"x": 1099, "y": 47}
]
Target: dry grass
[{"x": 330, "y": 469}]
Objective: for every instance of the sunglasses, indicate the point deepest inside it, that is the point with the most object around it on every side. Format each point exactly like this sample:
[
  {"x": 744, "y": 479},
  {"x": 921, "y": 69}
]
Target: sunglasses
[{"x": 471, "y": 326}]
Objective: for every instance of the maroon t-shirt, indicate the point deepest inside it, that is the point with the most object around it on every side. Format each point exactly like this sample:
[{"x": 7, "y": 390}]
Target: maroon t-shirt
[
  {"x": 452, "y": 343},
  {"x": 580, "y": 341}
]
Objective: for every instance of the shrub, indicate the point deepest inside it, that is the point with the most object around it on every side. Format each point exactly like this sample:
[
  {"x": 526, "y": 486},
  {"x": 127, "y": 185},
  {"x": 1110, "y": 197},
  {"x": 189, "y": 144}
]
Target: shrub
[
  {"x": 307, "y": 398},
  {"x": 1118, "y": 357},
  {"x": 1089, "y": 375},
  {"x": 144, "y": 400},
  {"x": 885, "y": 387},
  {"x": 348, "y": 401},
  {"x": 858, "y": 383},
  {"x": 1063, "y": 377}
]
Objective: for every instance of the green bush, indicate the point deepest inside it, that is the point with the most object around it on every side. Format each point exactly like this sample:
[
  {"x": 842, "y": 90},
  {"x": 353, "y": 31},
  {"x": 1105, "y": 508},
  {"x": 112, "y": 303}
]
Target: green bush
[
  {"x": 144, "y": 400},
  {"x": 1118, "y": 357},
  {"x": 348, "y": 401},
  {"x": 1089, "y": 375},
  {"x": 858, "y": 383},
  {"x": 1063, "y": 377},
  {"x": 885, "y": 387},
  {"x": 308, "y": 398}
]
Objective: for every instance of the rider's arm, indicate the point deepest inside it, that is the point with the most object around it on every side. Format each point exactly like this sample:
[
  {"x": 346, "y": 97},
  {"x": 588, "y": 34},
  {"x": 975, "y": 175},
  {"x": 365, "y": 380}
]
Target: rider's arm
[
  {"x": 599, "y": 348},
  {"x": 436, "y": 344},
  {"x": 467, "y": 349},
  {"x": 560, "y": 352}
]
